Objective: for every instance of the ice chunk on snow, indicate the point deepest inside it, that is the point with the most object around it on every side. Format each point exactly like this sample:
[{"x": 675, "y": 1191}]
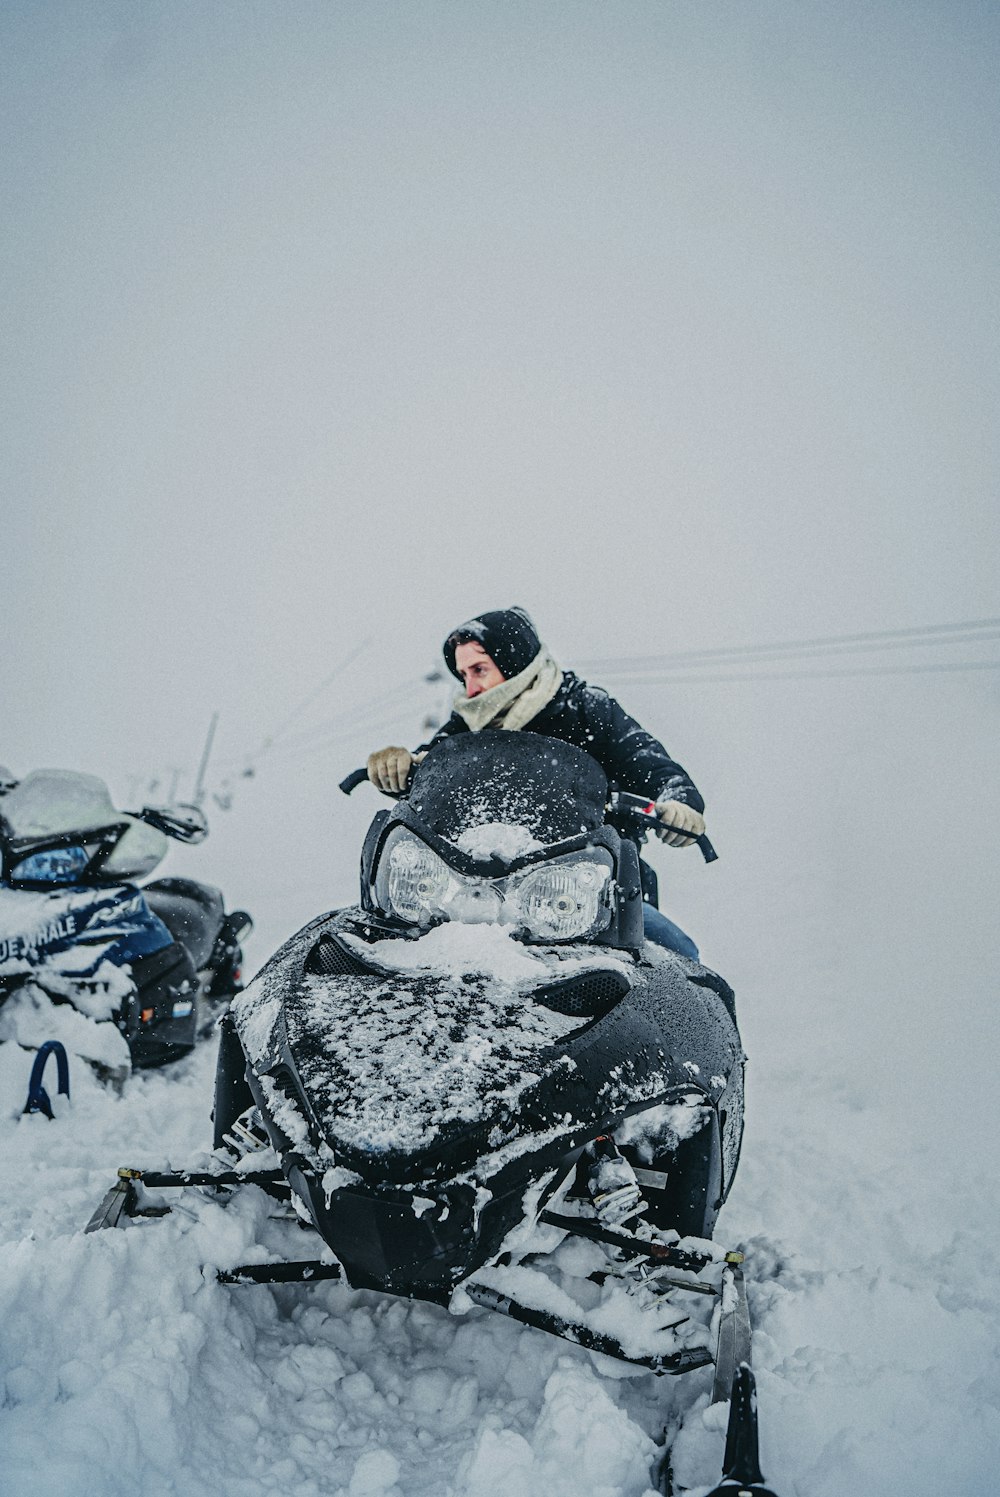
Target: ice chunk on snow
[{"x": 375, "y": 1474}]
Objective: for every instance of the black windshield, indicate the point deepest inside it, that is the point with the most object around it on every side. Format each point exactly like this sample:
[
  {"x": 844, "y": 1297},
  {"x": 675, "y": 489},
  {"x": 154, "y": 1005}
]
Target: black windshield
[{"x": 551, "y": 788}]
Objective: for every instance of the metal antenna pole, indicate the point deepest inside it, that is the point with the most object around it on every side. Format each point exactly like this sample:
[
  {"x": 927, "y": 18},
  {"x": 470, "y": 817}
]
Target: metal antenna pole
[{"x": 199, "y": 784}]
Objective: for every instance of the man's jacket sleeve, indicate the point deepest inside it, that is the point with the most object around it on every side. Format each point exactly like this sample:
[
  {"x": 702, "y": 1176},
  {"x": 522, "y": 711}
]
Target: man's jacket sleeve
[
  {"x": 633, "y": 757},
  {"x": 455, "y": 724}
]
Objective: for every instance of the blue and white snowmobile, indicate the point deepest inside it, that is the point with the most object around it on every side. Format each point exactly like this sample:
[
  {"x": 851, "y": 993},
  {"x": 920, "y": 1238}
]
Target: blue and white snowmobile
[
  {"x": 119, "y": 975},
  {"x": 481, "y": 1087}
]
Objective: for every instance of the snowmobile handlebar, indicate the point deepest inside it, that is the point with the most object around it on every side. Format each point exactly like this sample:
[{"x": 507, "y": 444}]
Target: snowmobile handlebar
[
  {"x": 354, "y": 779},
  {"x": 639, "y": 806}
]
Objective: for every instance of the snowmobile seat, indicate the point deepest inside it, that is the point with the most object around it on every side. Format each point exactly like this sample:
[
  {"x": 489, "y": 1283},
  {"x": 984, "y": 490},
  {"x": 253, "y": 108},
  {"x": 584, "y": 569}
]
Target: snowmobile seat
[{"x": 192, "y": 912}]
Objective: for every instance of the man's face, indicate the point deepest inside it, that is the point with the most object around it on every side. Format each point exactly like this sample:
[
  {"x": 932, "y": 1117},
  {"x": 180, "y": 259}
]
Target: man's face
[{"x": 477, "y": 669}]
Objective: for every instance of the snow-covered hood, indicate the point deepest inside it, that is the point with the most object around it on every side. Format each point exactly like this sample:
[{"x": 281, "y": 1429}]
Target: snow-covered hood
[{"x": 437, "y": 1039}]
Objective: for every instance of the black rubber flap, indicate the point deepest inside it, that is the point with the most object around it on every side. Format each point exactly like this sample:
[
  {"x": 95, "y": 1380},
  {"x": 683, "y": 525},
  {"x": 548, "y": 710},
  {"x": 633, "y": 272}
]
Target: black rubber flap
[{"x": 553, "y": 789}]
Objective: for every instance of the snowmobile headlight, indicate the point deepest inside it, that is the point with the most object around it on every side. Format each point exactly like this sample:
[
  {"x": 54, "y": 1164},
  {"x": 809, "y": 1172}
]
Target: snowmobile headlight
[
  {"x": 554, "y": 901},
  {"x": 56, "y": 865},
  {"x": 559, "y": 900},
  {"x": 416, "y": 879},
  {"x": 420, "y": 885}
]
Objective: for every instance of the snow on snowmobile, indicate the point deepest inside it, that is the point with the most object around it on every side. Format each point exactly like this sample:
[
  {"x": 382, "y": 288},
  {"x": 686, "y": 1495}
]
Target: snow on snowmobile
[
  {"x": 482, "y": 1087},
  {"x": 122, "y": 976}
]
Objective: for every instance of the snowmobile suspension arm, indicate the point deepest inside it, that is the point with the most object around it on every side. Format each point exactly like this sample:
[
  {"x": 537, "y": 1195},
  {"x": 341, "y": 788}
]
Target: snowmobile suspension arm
[
  {"x": 280, "y": 1273},
  {"x": 685, "y": 1360},
  {"x": 123, "y": 1198},
  {"x": 179, "y": 1179},
  {"x": 637, "y": 1247},
  {"x": 734, "y": 1380},
  {"x": 543, "y": 1320}
]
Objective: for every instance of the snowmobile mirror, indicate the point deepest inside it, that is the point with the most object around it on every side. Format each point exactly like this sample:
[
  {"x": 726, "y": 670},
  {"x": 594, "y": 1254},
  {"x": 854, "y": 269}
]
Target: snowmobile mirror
[
  {"x": 185, "y": 823},
  {"x": 240, "y": 924}
]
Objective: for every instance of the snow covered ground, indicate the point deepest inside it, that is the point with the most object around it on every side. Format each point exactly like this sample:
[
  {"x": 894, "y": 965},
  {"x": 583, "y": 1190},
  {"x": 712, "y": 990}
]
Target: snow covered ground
[
  {"x": 127, "y": 1368},
  {"x": 865, "y": 1202}
]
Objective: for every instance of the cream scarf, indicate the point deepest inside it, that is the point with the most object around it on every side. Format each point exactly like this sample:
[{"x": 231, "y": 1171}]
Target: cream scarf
[{"x": 513, "y": 703}]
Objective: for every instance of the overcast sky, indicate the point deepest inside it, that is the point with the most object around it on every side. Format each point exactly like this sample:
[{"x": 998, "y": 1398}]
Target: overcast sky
[{"x": 325, "y": 323}]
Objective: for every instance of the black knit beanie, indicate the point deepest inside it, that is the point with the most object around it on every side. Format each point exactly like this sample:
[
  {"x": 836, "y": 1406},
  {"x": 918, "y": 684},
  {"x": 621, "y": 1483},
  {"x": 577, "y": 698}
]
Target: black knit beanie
[{"x": 507, "y": 635}]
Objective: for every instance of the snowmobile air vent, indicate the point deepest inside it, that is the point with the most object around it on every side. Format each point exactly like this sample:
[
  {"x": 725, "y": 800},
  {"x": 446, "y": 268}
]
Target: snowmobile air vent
[
  {"x": 330, "y": 958},
  {"x": 590, "y": 995}
]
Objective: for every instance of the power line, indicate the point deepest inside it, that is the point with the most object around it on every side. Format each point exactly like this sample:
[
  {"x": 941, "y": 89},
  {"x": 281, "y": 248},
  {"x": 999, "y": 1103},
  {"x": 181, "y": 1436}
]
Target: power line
[
  {"x": 307, "y": 701},
  {"x": 403, "y": 692},
  {"x": 651, "y": 670},
  {"x": 352, "y": 734},
  {"x": 861, "y": 670},
  {"x": 967, "y": 632},
  {"x": 788, "y": 653},
  {"x": 357, "y": 715},
  {"x": 365, "y": 719}
]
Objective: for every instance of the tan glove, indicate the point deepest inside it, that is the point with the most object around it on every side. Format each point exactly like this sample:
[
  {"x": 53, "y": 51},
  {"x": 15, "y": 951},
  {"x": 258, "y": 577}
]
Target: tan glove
[
  {"x": 681, "y": 824},
  {"x": 389, "y": 769}
]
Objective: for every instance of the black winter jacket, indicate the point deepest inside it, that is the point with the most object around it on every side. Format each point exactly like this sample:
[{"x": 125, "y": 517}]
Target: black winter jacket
[{"x": 588, "y": 717}]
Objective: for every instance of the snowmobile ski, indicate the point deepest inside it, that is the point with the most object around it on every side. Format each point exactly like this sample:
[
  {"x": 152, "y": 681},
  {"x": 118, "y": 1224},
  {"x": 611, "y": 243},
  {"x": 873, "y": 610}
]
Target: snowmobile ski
[
  {"x": 123, "y": 1197},
  {"x": 742, "y": 1476}
]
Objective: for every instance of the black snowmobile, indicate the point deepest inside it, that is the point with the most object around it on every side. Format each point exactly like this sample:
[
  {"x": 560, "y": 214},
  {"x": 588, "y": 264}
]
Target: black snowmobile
[
  {"x": 153, "y": 966},
  {"x": 453, "y": 1109}
]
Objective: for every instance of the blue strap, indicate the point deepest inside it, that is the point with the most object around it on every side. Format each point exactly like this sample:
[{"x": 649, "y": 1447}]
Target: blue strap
[{"x": 38, "y": 1097}]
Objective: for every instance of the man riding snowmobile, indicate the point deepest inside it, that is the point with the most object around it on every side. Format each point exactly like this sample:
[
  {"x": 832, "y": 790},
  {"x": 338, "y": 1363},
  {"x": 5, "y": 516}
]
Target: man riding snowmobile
[
  {"x": 512, "y": 682},
  {"x": 482, "y": 1087}
]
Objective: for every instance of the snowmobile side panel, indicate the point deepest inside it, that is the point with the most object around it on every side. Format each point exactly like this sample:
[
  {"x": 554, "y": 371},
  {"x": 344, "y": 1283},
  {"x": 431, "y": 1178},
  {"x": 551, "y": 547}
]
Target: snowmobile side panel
[
  {"x": 161, "y": 1018},
  {"x": 691, "y": 1198},
  {"x": 193, "y": 913},
  {"x": 232, "y": 1092}
]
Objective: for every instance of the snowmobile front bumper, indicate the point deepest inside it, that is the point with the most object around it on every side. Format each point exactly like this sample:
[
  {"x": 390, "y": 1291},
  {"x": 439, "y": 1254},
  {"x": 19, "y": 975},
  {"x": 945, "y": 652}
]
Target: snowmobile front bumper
[{"x": 405, "y": 1243}]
